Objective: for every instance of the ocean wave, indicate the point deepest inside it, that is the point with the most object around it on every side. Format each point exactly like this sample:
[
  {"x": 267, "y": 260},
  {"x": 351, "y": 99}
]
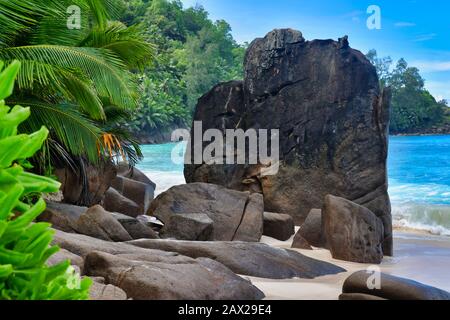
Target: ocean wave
[{"x": 425, "y": 217}]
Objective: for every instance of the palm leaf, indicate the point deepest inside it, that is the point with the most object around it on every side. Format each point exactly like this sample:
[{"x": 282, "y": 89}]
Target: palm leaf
[
  {"x": 71, "y": 128},
  {"x": 107, "y": 72},
  {"x": 16, "y": 17},
  {"x": 126, "y": 42}
]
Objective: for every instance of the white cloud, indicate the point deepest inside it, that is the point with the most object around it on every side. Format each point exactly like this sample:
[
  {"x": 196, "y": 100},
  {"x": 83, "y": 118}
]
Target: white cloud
[
  {"x": 440, "y": 90},
  {"x": 403, "y": 24},
  {"x": 432, "y": 66},
  {"x": 425, "y": 37}
]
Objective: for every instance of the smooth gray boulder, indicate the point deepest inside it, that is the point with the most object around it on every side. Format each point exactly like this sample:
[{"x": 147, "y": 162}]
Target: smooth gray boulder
[
  {"x": 63, "y": 255},
  {"x": 124, "y": 170},
  {"x": 392, "y": 288},
  {"x": 246, "y": 258},
  {"x": 82, "y": 245},
  {"x": 73, "y": 219},
  {"x": 135, "y": 228}
]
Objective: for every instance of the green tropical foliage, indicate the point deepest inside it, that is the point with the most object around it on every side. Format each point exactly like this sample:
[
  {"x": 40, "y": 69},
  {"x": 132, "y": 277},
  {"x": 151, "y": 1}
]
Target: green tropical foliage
[
  {"x": 193, "y": 54},
  {"x": 24, "y": 246},
  {"x": 413, "y": 107},
  {"x": 69, "y": 75}
]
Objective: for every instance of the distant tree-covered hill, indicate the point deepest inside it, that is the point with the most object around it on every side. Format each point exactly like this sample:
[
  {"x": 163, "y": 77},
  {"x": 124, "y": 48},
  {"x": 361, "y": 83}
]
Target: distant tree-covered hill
[
  {"x": 414, "y": 109},
  {"x": 193, "y": 54}
]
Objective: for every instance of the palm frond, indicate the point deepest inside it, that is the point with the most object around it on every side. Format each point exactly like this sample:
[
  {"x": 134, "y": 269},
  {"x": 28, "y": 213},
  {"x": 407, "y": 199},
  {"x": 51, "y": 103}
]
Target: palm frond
[
  {"x": 77, "y": 133},
  {"x": 53, "y": 27},
  {"x": 127, "y": 43},
  {"x": 83, "y": 92},
  {"x": 16, "y": 17},
  {"x": 107, "y": 72},
  {"x": 104, "y": 10}
]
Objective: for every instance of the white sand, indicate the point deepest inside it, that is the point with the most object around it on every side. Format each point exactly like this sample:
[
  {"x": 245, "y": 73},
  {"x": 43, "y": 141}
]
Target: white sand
[{"x": 418, "y": 256}]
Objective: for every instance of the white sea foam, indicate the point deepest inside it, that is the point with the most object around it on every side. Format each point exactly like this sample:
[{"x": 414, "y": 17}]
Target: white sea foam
[
  {"x": 426, "y": 217},
  {"x": 165, "y": 180}
]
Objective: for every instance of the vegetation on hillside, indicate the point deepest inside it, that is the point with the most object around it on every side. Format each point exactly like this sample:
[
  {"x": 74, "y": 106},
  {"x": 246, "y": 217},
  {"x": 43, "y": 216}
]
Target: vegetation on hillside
[
  {"x": 193, "y": 54},
  {"x": 414, "y": 109},
  {"x": 24, "y": 246}
]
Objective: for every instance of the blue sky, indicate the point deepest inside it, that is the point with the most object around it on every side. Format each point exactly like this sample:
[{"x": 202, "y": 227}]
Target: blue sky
[{"x": 417, "y": 30}]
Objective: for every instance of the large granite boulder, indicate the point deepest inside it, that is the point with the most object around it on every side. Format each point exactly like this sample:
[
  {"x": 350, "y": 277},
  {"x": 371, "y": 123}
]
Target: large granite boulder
[
  {"x": 63, "y": 255},
  {"x": 352, "y": 232},
  {"x": 250, "y": 259},
  {"x": 390, "y": 288},
  {"x": 236, "y": 216},
  {"x": 278, "y": 226},
  {"x": 333, "y": 118}
]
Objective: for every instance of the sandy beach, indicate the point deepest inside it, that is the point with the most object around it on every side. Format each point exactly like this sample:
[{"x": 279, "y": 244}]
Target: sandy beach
[{"x": 418, "y": 256}]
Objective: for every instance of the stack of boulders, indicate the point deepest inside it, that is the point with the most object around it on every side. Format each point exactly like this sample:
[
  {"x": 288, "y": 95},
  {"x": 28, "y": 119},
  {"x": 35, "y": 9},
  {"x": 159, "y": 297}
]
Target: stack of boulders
[
  {"x": 325, "y": 99},
  {"x": 149, "y": 269},
  {"x": 125, "y": 201},
  {"x": 121, "y": 250}
]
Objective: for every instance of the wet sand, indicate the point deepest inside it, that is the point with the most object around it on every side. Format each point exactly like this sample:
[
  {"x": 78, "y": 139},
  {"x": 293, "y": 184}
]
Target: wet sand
[{"x": 418, "y": 256}]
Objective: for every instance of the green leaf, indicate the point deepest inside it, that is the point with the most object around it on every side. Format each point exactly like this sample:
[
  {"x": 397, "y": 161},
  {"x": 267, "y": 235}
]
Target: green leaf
[{"x": 7, "y": 78}]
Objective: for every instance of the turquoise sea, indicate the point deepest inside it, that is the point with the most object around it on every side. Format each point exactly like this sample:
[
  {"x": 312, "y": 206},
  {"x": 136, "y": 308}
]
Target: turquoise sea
[{"x": 419, "y": 179}]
